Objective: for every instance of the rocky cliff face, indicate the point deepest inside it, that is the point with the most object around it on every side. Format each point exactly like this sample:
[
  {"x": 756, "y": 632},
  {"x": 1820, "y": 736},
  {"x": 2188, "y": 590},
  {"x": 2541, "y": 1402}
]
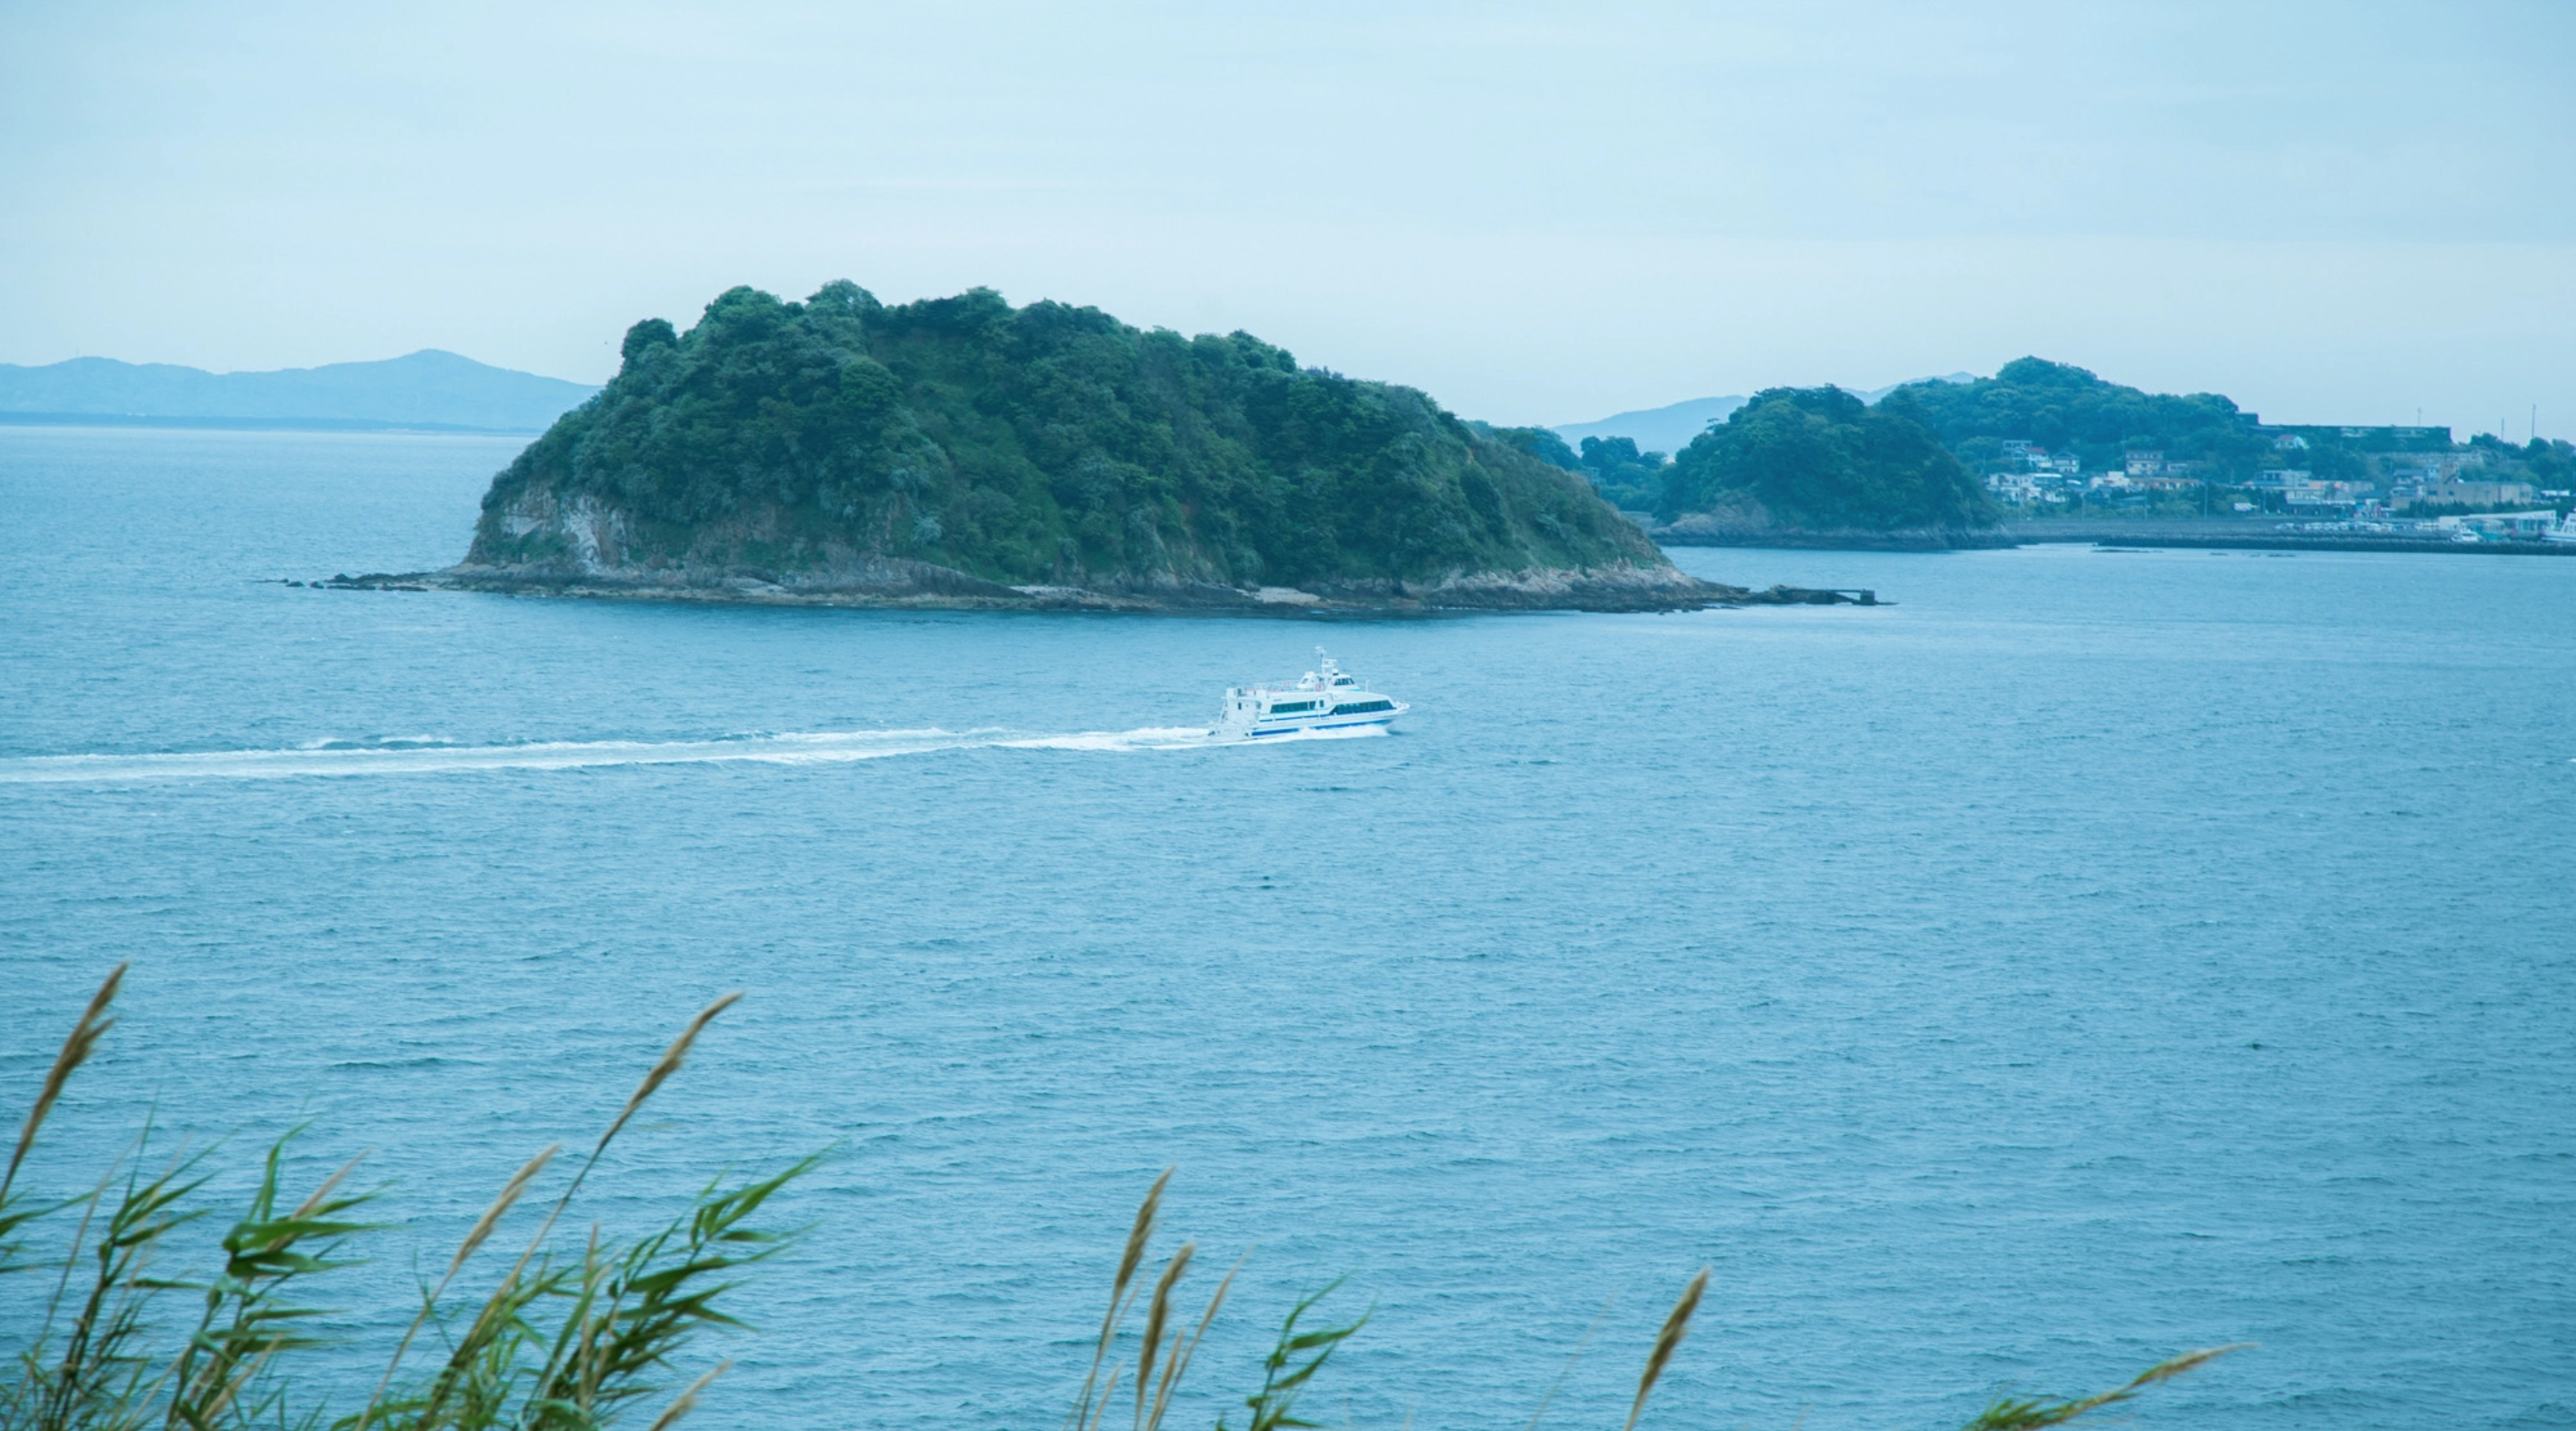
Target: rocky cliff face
[
  {"x": 578, "y": 544},
  {"x": 964, "y": 449}
]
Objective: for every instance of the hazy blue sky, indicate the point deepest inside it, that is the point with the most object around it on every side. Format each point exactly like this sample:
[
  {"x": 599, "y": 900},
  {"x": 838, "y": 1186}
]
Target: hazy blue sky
[{"x": 2334, "y": 211}]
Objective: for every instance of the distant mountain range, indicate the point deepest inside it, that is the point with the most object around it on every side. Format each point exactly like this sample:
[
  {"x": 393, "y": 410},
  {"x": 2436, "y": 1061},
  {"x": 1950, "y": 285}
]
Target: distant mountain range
[
  {"x": 425, "y": 390},
  {"x": 1669, "y": 429},
  {"x": 441, "y": 391}
]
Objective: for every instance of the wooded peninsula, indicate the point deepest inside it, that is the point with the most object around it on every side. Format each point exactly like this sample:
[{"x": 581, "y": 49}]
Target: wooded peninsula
[{"x": 1944, "y": 462}]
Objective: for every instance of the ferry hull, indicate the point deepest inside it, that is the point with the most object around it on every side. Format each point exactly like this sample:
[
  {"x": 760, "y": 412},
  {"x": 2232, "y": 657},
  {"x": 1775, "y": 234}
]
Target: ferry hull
[{"x": 1355, "y": 723}]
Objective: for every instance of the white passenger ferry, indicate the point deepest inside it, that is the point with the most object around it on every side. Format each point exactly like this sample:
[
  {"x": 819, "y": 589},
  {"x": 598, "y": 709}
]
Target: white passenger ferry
[{"x": 1322, "y": 699}]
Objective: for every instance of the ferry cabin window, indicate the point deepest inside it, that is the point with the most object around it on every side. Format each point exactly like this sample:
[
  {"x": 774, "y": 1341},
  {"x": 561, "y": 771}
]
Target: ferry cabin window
[{"x": 1363, "y": 707}]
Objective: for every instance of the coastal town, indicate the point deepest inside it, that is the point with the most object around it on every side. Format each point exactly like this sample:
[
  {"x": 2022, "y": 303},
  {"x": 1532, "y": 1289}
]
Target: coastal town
[{"x": 2392, "y": 480}]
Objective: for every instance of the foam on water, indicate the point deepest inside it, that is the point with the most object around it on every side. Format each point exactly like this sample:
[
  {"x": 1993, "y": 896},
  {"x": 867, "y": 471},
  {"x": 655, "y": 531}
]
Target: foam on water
[
  {"x": 428, "y": 755},
  {"x": 418, "y": 757}
]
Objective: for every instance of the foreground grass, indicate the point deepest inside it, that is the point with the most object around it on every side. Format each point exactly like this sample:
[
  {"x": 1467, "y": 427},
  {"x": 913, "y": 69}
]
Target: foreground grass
[{"x": 570, "y": 1337}]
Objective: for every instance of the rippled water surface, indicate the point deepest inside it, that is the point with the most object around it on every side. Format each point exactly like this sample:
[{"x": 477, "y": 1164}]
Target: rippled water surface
[{"x": 2091, "y": 956}]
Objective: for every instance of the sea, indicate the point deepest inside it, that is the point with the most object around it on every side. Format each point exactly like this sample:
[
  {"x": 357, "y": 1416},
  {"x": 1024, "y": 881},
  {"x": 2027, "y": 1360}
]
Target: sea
[{"x": 2082, "y": 957}]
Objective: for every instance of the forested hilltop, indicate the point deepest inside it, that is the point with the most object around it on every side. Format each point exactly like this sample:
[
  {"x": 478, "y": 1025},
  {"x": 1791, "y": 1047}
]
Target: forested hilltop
[
  {"x": 1803, "y": 466},
  {"x": 2065, "y": 408},
  {"x": 1820, "y": 460},
  {"x": 962, "y": 445}
]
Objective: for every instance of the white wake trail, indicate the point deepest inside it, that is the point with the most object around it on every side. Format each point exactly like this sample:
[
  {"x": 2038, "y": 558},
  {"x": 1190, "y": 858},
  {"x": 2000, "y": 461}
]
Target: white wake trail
[{"x": 422, "y": 756}]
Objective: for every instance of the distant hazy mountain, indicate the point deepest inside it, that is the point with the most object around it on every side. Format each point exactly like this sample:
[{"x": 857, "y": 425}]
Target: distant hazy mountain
[
  {"x": 1669, "y": 429},
  {"x": 1656, "y": 429},
  {"x": 425, "y": 389}
]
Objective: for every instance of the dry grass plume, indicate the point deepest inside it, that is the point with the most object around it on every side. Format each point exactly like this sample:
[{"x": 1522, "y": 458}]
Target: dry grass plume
[{"x": 1667, "y": 1342}]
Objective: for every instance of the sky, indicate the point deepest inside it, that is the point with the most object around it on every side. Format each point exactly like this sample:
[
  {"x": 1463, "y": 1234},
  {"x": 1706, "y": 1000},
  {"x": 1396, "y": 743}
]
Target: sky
[{"x": 2332, "y": 212}]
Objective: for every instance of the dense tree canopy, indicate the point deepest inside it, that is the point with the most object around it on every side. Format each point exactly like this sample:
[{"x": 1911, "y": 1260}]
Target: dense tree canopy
[
  {"x": 1617, "y": 470},
  {"x": 1539, "y": 442},
  {"x": 2066, "y": 409},
  {"x": 1045, "y": 443},
  {"x": 1820, "y": 459},
  {"x": 2545, "y": 462},
  {"x": 1622, "y": 474}
]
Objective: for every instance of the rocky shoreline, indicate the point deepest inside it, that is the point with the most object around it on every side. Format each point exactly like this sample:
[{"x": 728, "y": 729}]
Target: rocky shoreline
[{"x": 923, "y": 586}]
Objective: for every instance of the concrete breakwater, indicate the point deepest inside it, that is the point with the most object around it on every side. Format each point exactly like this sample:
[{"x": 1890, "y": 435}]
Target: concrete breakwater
[
  {"x": 2362, "y": 543},
  {"x": 1690, "y": 532},
  {"x": 2224, "y": 534}
]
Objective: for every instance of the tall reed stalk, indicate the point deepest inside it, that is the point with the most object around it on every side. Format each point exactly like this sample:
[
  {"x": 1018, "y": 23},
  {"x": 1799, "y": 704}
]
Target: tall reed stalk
[
  {"x": 1297, "y": 1356},
  {"x": 563, "y": 1339}
]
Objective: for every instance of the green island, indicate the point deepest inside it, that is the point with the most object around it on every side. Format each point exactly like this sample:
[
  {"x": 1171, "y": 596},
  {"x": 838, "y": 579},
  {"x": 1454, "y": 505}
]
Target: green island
[{"x": 960, "y": 451}]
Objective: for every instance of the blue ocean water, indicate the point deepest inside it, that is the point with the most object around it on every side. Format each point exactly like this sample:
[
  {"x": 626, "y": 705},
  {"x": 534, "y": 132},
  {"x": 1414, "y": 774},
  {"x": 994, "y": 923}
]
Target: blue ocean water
[{"x": 2091, "y": 956}]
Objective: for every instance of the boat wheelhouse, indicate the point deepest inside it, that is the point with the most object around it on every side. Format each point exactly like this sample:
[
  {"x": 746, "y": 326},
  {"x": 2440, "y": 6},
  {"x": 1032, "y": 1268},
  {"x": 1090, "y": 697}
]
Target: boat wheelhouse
[{"x": 1324, "y": 699}]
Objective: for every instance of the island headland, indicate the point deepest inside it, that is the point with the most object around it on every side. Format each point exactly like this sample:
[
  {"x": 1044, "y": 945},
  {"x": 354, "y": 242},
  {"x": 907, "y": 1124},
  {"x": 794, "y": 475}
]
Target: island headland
[
  {"x": 1792, "y": 467},
  {"x": 963, "y": 452},
  {"x": 2044, "y": 452}
]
